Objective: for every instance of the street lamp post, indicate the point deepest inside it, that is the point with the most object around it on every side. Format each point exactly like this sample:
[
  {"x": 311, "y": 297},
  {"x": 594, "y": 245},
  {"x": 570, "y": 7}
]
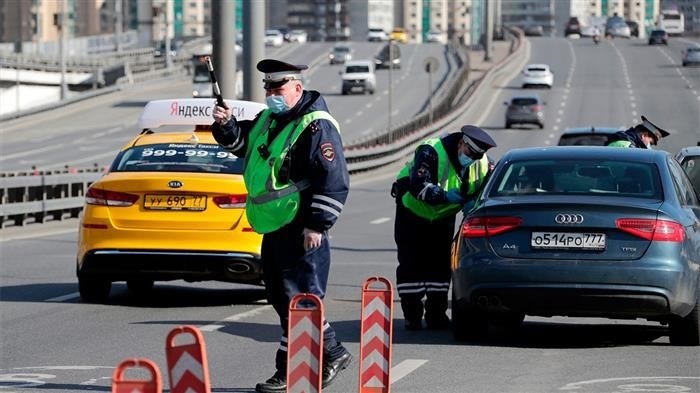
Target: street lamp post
[
  {"x": 62, "y": 49},
  {"x": 390, "y": 136}
]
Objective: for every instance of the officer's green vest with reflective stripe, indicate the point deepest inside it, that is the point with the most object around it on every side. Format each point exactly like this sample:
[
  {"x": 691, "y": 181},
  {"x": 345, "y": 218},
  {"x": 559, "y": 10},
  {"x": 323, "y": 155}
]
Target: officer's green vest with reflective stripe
[
  {"x": 448, "y": 179},
  {"x": 272, "y": 202},
  {"x": 620, "y": 143}
]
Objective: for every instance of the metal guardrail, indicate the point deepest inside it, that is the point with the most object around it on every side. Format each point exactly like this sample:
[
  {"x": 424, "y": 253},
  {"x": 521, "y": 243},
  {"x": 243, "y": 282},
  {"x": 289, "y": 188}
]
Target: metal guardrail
[{"x": 34, "y": 197}]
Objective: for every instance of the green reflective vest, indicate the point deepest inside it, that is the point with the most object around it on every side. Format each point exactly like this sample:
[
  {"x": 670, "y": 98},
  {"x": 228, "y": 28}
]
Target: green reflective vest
[
  {"x": 273, "y": 202},
  {"x": 448, "y": 179},
  {"x": 620, "y": 143}
]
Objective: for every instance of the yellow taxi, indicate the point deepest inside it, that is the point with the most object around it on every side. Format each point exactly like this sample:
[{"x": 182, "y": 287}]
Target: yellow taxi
[
  {"x": 399, "y": 34},
  {"x": 170, "y": 207}
]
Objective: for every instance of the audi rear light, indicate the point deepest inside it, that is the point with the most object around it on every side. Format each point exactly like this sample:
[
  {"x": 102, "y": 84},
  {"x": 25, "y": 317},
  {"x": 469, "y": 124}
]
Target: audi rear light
[
  {"x": 652, "y": 229},
  {"x": 233, "y": 201},
  {"x": 96, "y": 196},
  {"x": 489, "y": 226}
]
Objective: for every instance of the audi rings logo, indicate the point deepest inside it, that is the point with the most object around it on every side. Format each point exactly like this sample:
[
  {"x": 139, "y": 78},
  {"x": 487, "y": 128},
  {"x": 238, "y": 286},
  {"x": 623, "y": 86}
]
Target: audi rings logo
[{"x": 568, "y": 219}]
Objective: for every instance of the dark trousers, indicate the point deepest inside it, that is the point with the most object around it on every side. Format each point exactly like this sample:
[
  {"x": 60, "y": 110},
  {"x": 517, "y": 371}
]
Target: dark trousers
[
  {"x": 423, "y": 250},
  {"x": 289, "y": 270}
]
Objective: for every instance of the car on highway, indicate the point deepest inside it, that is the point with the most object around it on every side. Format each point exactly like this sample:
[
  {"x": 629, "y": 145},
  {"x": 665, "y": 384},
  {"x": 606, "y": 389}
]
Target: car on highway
[
  {"x": 634, "y": 28},
  {"x": 689, "y": 158},
  {"x": 611, "y": 23},
  {"x": 299, "y": 36},
  {"x": 580, "y": 231},
  {"x": 619, "y": 30},
  {"x": 573, "y": 27},
  {"x": 525, "y": 110},
  {"x": 274, "y": 38},
  {"x": 358, "y": 76},
  {"x": 658, "y": 37},
  {"x": 377, "y": 35},
  {"x": 537, "y": 75},
  {"x": 171, "y": 206},
  {"x": 534, "y": 30},
  {"x": 399, "y": 34},
  {"x": 339, "y": 54},
  {"x": 587, "y": 136},
  {"x": 436, "y": 36},
  {"x": 691, "y": 56},
  {"x": 388, "y": 56}
]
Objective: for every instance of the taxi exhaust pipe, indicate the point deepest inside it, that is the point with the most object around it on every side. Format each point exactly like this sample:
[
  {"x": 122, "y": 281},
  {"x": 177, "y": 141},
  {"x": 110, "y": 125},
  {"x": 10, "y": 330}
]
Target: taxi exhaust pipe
[{"x": 238, "y": 267}]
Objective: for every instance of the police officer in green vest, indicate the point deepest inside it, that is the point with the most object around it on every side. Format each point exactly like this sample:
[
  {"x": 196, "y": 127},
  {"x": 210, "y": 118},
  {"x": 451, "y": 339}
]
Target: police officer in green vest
[
  {"x": 445, "y": 173},
  {"x": 297, "y": 182},
  {"x": 643, "y": 136}
]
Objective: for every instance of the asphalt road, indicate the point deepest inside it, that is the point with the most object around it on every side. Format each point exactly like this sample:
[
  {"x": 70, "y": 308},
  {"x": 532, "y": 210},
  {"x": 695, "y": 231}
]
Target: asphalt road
[{"x": 51, "y": 342}]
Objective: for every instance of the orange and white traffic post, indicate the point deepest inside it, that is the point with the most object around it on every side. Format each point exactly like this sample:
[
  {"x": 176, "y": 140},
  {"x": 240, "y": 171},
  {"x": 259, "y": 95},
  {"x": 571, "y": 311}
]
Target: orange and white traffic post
[
  {"x": 376, "y": 329},
  {"x": 121, "y": 385},
  {"x": 305, "y": 344},
  {"x": 188, "y": 371}
]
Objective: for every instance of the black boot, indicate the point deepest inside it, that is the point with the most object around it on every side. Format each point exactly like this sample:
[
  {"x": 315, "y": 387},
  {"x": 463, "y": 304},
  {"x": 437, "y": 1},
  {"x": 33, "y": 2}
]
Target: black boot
[
  {"x": 276, "y": 383},
  {"x": 334, "y": 367}
]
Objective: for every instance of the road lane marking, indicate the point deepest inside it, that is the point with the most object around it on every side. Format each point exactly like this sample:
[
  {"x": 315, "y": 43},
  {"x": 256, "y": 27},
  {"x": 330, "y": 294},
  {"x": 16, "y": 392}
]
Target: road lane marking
[
  {"x": 69, "y": 296},
  {"x": 380, "y": 220},
  {"x": 234, "y": 318},
  {"x": 404, "y": 368}
]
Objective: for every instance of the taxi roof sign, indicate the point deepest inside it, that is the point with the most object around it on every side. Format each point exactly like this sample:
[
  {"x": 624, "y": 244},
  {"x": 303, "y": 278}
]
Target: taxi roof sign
[{"x": 192, "y": 112}]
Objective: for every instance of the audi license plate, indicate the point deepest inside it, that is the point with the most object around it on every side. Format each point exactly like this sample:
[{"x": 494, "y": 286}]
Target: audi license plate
[
  {"x": 568, "y": 240},
  {"x": 175, "y": 202}
]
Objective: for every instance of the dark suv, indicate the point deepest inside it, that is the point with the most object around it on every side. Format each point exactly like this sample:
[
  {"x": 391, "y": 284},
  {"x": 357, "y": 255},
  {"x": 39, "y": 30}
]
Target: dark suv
[
  {"x": 382, "y": 59},
  {"x": 634, "y": 28},
  {"x": 572, "y": 27},
  {"x": 658, "y": 37}
]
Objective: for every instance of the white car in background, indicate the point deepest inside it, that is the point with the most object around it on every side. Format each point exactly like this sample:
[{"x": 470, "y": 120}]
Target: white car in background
[
  {"x": 435, "y": 36},
  {"x": 273, "y": 38},
  {"x": 299, "y": 36},
  {"x": 537, "y": 75},
  {"x": 378, "y": 35}
]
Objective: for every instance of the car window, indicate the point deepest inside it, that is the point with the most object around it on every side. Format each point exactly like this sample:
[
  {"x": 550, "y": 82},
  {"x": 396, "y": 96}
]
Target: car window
[
  {"x": 537, "y": 69},
  {"x": 583, "y": 140},
  {"x": 524, "y": 101},
  {"x": 691, "y": 167},
  {"x": 178, "y": 157},
  {"x": 582, "y": 177},
  {"x": 356, "y": 68},
  {"x": 656, "y": 33}
]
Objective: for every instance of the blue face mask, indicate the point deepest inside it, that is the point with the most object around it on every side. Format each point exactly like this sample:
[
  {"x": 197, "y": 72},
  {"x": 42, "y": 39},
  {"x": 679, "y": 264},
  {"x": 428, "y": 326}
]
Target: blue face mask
[
  {"x": 276, "y": 104},
  {"x": 465, "y": 160}
]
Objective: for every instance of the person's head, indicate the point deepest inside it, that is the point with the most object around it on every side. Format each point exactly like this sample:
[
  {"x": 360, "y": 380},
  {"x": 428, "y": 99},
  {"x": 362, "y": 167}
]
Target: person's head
[
  {"x": 473, "y": 144},
  {"x": 282, "y": 83},
  {"x": 649, "y": 133}
]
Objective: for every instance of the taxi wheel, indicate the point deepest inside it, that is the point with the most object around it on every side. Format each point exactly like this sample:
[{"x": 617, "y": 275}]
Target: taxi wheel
[
  {"x": 94, "y": 290},
  {"x": 140, "y": 286}
]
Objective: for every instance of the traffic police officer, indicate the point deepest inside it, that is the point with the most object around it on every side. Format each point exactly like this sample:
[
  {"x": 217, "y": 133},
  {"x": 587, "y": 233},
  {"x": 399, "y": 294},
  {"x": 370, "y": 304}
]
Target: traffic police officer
[
  {"x": 297, "y": 182},
  {"x": 445, "y": 173},
  {"x": 642, "y": 135}
]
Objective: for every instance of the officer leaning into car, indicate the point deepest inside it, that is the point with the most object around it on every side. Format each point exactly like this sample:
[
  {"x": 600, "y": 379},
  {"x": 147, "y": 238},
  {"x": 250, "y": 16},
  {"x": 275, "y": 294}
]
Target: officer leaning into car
[
  {"x": 642, "y": 136},
  {"x": 297, "y": 182},
  {"x": 444, "y": 175}
]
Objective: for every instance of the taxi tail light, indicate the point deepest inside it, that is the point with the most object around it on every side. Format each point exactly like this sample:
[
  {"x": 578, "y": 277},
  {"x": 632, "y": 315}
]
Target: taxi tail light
[
  {"x": 537, "y": 108},
  {"x": 96, "y": 196},
  {"x": 233, "y": 201},
  {"x": 489, "y": 226},
  {"x": 652, "y": 229}
]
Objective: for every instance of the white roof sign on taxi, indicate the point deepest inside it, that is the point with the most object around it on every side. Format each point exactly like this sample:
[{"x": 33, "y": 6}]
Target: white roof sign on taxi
[{"x": 192, "y": 111}]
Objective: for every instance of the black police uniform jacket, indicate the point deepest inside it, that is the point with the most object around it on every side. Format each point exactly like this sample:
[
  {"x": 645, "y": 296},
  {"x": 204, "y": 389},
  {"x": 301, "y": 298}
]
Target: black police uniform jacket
[{"x": 317, "y": 156}]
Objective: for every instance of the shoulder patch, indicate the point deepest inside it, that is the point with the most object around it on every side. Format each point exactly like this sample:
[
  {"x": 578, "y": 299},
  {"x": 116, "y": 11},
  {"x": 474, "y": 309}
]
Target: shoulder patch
[
  {"x": 314, "y": 127},
  {"x": 327, "y": 151}
]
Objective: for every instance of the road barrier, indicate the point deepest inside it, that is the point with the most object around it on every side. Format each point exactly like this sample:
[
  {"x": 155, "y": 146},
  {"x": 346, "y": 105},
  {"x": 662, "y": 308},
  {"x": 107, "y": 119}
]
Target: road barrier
[
  {"x": 122, "y": 385},
  {"x": 305, "y": 344},
  {"x": 188, "y": 371},
  {"x": 32, "y": 198},
  {"x": 376, "y": 328}
]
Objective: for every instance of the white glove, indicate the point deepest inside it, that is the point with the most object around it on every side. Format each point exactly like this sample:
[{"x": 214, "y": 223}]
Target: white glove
[{"x": 312, "y": 239}]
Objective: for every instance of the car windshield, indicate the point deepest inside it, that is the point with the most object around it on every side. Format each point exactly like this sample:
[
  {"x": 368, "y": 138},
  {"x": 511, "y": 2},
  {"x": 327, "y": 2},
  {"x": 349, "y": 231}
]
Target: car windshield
[
  {"x": 583, "y": 140},
  {"x": 356, "y": 68},
  {"x": 178, "y": 157},
  {"x": 341, "y": 49},
  {"x": 658, "y": 33},
  {"x": 524, "y": 101},
  {"x": 537, "y": 69},
  {"x": 581, "y": 177}
]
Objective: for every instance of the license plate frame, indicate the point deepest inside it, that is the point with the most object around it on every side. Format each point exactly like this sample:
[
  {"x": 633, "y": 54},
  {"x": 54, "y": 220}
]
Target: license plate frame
[
  {"x": 177, "y": 202},
  {"x": 586, "y": 241}
]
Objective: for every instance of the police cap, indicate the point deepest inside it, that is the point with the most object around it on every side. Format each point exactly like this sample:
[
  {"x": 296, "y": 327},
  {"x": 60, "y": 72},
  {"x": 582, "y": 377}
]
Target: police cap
[
  {"x": 656, "y": 132},
  {"x": 477, "y": 139},
  {"x": 277, "y": 73}
]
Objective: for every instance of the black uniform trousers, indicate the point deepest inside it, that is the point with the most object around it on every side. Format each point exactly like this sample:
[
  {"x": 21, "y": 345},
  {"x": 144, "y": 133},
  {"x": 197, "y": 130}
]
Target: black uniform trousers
[
  {"x": 423, "y": 250},
  {"x": 289, "y": 270}
]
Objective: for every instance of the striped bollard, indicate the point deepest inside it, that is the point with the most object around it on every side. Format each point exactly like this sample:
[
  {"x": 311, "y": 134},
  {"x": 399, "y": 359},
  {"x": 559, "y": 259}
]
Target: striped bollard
[
  {"x": 188, "y": 371},
  {"x": 122, "y": 385},
  {"x": 376, "y": 339},
  {"x": 305, "y": 344}
]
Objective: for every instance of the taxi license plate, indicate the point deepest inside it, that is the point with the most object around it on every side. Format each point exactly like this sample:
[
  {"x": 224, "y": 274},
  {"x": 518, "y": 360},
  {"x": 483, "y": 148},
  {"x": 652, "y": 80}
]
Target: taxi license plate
[
  {"x": 175, "y": 202},
  {"x": 568, "y": 240}
]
